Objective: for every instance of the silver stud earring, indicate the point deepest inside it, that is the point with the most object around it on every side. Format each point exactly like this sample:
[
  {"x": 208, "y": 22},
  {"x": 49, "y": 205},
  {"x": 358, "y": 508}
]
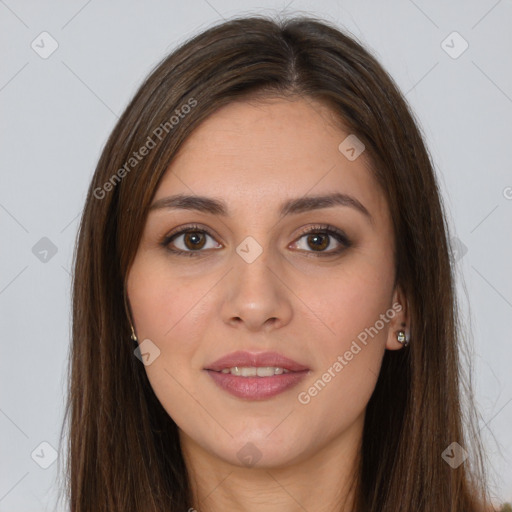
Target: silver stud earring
[{"x": 402, "y": 338}]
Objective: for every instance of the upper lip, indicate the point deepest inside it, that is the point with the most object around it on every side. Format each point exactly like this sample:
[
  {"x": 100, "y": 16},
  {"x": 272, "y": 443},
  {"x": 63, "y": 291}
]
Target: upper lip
[{"x": 248, "y": 359}]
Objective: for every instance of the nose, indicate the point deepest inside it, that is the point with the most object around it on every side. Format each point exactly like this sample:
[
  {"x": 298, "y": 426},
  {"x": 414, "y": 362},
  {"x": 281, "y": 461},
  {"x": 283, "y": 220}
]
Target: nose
[{"x": 256, "y": 298}]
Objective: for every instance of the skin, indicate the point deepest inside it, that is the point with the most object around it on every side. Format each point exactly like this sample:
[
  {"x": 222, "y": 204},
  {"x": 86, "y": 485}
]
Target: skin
[{"x": 254, "y": 155}]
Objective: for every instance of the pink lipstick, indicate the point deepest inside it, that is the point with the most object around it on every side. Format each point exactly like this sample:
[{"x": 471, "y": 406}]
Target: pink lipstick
[{"x": 256, "y": 376}]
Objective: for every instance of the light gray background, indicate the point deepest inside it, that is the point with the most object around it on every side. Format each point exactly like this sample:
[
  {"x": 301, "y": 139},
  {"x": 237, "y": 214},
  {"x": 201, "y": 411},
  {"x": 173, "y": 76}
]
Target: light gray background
[{"x": 56, "y": 114}]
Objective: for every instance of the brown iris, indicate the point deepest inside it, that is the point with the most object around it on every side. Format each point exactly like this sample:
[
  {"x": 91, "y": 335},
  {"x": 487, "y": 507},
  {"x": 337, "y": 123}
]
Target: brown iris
[
  {"x": 196, "y": 238},
  {"x": 314, "y": 239}
]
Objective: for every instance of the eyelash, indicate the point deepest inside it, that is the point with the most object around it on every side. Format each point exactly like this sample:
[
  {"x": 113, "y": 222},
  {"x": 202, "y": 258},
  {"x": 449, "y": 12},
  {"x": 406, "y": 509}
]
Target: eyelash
[{"x": 324, "y": 229}]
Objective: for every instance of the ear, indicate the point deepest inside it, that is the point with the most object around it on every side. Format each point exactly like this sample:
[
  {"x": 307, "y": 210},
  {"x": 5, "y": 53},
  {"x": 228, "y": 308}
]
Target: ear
[{"x": 400, "y": 321}]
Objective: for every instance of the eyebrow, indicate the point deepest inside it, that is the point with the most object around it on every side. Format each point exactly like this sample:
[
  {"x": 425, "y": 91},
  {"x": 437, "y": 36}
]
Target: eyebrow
[{"x": 292, "y": 206}]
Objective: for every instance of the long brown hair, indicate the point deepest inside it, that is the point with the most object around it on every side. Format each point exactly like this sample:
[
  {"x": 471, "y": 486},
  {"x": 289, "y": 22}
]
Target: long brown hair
[{"x": 124, "y": 452}]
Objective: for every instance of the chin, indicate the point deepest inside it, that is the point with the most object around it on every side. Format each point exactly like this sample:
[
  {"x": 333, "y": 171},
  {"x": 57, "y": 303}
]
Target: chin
[{"x": 259, "y": 451}]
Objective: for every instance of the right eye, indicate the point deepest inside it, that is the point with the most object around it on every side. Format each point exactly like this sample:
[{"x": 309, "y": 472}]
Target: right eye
[{"x": 193, "y": 239}]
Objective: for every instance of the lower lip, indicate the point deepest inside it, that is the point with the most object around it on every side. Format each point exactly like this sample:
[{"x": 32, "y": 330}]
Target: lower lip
[{"x": 256, "y": 388}]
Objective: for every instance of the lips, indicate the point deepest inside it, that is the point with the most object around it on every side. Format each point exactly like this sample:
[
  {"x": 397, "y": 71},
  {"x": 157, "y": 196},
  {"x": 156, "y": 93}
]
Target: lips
[
  {"x": 256, "y": 388},
  {"x": 248, "y": 359}
]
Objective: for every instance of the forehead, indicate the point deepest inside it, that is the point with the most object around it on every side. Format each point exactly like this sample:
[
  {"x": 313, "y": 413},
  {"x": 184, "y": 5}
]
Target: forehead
[{"x": 256, "y": 153}]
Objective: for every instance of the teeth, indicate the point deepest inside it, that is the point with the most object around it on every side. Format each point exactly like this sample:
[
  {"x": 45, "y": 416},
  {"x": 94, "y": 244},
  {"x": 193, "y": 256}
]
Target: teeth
[{"x": 252, "y": 371}]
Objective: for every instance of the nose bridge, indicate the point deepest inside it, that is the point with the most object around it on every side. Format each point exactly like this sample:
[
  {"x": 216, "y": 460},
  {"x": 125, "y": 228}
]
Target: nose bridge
[
  {"x": 255, "y": 294},
  {"x": 251, "y": 272}
]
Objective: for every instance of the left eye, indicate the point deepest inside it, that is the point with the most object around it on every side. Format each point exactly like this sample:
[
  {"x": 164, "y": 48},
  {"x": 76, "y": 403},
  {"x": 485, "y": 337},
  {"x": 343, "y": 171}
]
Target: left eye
[{"x": 321, "y": 240}]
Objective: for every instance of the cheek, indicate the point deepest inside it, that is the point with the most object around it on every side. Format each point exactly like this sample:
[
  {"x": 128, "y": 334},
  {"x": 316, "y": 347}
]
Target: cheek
[
  {"x": 356, "y": 307},
  {"x": 161, "y": 302},
  {"x": 171, "y": 314},
  {"x": 351, "y": 300}
]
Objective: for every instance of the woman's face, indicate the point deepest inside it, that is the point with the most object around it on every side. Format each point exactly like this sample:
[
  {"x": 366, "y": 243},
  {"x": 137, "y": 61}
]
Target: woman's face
[{"x": 251, "y": 278}]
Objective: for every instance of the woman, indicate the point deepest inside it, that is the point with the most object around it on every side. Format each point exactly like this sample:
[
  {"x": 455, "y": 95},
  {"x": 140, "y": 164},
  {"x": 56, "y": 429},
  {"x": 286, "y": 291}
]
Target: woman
[{"x": 264, "y": 223}]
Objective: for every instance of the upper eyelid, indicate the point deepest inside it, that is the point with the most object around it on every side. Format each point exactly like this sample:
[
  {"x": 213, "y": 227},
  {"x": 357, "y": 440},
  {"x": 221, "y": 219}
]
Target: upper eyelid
[
  {"x": 305, "y": 231},
  {"x": 185, "y": 229}
]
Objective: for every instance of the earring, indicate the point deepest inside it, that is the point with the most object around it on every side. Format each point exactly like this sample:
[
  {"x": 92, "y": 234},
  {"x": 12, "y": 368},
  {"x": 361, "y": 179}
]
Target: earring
[
  {"x": 133, "y": 336},
  {"x": 402, "y": 338}
]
